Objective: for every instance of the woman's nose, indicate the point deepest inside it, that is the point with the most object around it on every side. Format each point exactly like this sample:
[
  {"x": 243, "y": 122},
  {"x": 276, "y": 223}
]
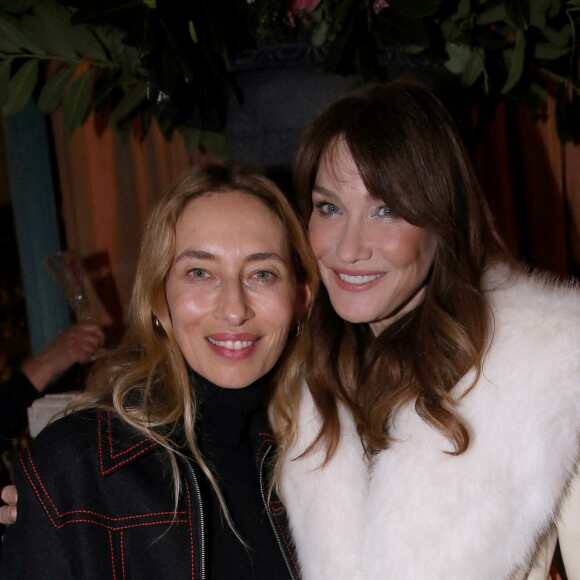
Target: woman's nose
[
  {"x": 233, "y": 306},
  {"x": 352, "y": 244}
]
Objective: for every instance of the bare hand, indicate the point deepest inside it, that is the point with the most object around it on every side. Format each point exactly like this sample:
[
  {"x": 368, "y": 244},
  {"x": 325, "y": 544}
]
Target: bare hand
[
  {"x": 8, "y": 512},
  {"x": 78, "y": 343}
]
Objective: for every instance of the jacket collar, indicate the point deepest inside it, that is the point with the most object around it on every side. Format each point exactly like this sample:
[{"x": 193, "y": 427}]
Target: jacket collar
[{"x": 119, "y": 443}]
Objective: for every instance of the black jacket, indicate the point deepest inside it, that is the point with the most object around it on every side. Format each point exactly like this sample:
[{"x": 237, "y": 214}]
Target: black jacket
[
  {"x": 96, "y": 501},
  {"x": 16, "y": 395}
]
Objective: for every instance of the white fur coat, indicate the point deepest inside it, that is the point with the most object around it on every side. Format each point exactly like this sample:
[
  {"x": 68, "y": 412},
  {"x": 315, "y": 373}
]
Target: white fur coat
[{"x": 426, "y": 515}]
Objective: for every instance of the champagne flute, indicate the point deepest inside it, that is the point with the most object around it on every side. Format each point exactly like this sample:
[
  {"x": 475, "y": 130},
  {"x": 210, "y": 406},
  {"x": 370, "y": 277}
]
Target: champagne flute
[{"x": 65, "y": 267}]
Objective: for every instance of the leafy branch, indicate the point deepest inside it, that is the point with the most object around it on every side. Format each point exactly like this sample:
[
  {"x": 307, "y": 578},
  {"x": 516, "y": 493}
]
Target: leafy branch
[{"x": 172, "y": 60}]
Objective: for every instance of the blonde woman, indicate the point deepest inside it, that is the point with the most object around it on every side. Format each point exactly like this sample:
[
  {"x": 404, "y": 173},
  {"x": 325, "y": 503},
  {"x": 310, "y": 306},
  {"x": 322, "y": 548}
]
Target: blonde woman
[{"x": 169, "y": 477}]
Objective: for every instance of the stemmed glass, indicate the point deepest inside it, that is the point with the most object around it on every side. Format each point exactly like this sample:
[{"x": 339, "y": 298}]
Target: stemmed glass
[{"x": 65, "y": 267}]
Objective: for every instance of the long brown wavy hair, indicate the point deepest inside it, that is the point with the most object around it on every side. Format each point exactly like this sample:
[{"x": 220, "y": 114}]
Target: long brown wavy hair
[
  {"x": 147, "y": 377},
  {"x": 409, "y": 155}
]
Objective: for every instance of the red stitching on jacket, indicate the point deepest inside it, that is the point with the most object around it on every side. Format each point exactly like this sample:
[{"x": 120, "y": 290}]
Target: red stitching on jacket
[
  {"x": 119, "y": 528},
  {"x": 40, "y": 481},
  {"x": 36, "y": 492},
  {"x": 286, "y": 544},
  {"x": 190, "y": 529},
  {"x": 122, "y": 556},
  {"x": 121, "y": 518},
  {"x": 89, "y": 511},
  {"x": 139, "y": 452},
  {"x": 112, "y": 555},
  {"x": 262, "y": 445},
  {"x": 111, "y": 439}
]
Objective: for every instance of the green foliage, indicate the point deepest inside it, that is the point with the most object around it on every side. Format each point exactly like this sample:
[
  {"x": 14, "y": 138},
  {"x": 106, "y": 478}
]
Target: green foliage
[{"x": 171, "y": 59}]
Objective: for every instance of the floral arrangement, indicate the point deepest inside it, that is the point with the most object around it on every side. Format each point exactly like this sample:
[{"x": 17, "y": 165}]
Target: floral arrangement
[{"x": 132, "y": 60}]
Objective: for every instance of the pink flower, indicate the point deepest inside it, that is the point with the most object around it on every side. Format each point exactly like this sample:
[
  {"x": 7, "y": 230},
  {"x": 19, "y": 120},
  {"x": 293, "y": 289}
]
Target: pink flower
[
  {"x": 378, "y": 5},
  {"x": 296, "y": 6}
]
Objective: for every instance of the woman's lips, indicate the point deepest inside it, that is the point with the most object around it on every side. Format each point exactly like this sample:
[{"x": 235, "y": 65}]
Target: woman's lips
[
  {"x": 233, "y": 346},
  {"x": 356, "y": 281}
]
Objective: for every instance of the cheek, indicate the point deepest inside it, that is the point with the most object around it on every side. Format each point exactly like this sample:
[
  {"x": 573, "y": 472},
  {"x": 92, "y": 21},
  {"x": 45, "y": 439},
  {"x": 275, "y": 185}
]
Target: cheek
[
  {"x": 410, "y": 246},
  {"x": 319, "y": 239}
]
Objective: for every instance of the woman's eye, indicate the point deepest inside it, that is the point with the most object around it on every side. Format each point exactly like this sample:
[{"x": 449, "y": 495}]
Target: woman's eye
[
  {"x": 383, "y": 211},
  {"x": 198, "y": 273},
  {"x": 264, "y": 275},
  {"x": 326, "y": 208}
]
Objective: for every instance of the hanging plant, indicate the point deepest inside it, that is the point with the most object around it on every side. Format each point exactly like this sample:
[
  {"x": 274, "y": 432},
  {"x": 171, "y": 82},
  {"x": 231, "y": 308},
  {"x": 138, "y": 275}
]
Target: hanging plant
[{"x": 135, "y": 60}]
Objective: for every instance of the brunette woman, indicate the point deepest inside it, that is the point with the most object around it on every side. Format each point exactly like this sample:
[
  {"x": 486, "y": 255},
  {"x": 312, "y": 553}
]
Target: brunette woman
[
  {"x": 439, "y": 427},
  {"x": 169, "y": 476}
]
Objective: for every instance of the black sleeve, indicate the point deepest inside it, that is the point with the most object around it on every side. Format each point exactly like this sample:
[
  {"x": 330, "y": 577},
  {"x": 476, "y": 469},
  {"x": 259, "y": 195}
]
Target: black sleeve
[
  {"x": 16, "y": 395},
  {"x": 32, "y": 548}
]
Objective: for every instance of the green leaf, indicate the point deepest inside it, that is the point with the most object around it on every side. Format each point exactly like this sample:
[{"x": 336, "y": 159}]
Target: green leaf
[
  {"x": 191, "y": 137},
  {"x": 559, "y": 38},
  {"x": 539, "y": 13},
  {"x": 75, "y": 104},
  {"x": 21, "y": 87},
  {"x": 52, "y": 92},
  {"x": 47, "y": 35},
  {"x": 214, "y": 143},
  {"x": 474, "y": 68},
  {"x": 544, "y": 51},
  {"x": 128, "y": 105},
  {"x": 459, "y": 56},
  {"x": 320, "y": 33},
  {"x": 5, "y": 66},
  {"x": 518, "y": 13},
  {"x": 555, "y": 6},
  {"x": 463, "y": 11},
  {"x": 492, "y": 15},
  {"x": 517, "y": 62},
  {"x": 11, "y": 34},
  {"x": 77, "y": 37}
]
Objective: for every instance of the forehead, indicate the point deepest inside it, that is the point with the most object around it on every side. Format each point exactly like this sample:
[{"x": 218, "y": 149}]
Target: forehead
[
  {"x": 230, "y": 218},
  {"x": 338, "y": 173}
]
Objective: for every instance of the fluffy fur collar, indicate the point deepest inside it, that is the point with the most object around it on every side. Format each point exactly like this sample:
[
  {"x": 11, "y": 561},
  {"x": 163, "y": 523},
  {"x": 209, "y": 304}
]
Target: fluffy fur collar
[{"x": 424, "y": 514}]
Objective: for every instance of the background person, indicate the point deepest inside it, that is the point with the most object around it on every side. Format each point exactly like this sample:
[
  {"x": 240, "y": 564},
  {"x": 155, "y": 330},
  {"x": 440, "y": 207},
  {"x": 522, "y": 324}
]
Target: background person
[{"x": 76, "y": 344}]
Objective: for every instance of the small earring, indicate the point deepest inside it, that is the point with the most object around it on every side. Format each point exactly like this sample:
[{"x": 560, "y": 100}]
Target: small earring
[
  {"x": 157, "y": 323},
  {"x": 298, "y": 329}
]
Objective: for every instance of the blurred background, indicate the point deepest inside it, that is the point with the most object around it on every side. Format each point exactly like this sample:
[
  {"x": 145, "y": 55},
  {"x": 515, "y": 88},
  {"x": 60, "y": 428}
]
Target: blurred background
[{"x": 104, "y": 102}]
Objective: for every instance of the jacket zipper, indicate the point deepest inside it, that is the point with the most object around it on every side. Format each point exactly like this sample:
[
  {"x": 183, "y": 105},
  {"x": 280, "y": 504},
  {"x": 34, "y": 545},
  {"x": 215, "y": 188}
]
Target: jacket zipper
[
  {"x": 201, "y": 521},
  {"x": 274, "y": 528}
]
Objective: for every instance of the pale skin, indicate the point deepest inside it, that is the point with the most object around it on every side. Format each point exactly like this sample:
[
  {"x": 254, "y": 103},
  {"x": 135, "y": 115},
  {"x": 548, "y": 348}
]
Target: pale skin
[
  {"x": 374, "y": 264},
  {"x": 231, "y": 290}
]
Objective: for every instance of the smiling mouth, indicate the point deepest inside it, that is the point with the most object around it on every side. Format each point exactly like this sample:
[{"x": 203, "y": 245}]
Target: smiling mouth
[
  {"x": 231, "y": 344},
  {"x": 359, "y": 279}
]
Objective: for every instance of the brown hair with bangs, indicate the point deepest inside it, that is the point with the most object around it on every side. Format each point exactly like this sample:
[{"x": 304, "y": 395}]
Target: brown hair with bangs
[{"x": 409, "y": 154}]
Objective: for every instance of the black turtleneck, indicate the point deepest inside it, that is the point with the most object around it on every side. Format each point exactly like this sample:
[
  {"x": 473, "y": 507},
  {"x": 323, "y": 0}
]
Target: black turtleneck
[{"x": 227, "y": 428}]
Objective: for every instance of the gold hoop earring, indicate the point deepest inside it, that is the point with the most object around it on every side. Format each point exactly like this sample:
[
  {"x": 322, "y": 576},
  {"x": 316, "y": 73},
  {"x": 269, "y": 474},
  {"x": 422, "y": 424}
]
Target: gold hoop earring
[{"x": 157, "y": 325}]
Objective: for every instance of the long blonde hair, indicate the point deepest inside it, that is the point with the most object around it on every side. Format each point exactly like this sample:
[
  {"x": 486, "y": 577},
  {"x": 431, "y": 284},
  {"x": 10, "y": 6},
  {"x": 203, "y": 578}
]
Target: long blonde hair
[{"x": 147, "y": 376}]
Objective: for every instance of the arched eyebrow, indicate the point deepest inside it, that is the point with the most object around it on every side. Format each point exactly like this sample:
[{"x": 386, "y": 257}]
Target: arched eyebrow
[
  {"x": 196, "y": 255},
  {"x": 208, "y": 256},
  {"x": 333, "y": 195}
]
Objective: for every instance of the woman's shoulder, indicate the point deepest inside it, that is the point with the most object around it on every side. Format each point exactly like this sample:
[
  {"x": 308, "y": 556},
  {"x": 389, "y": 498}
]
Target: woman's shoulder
[{"x": 86, "y": 435}]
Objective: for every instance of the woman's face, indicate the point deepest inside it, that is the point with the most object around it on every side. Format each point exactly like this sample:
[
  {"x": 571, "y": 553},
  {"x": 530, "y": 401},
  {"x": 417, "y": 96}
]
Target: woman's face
[
  {"x": 231, "y": 290},
  {"x": 373, "y": 263}
]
